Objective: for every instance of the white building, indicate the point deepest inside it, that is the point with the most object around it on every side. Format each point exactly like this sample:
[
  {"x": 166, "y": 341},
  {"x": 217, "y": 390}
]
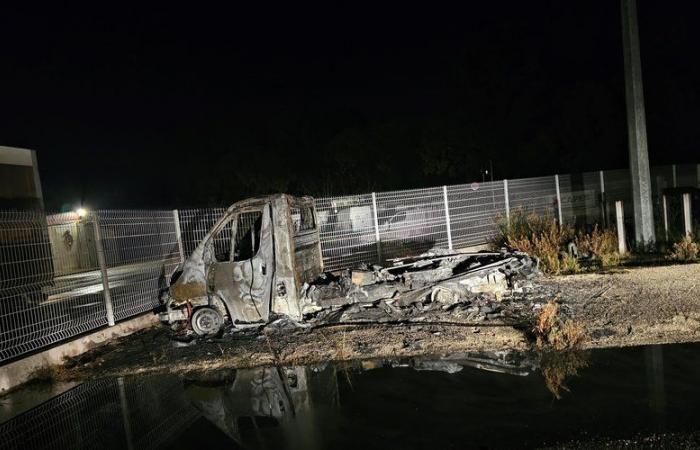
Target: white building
[{"x": 20, "y": 186}]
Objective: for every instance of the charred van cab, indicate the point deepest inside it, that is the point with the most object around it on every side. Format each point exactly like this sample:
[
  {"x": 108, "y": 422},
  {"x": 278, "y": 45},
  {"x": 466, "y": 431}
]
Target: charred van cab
[{"x": 251, "y": 265}]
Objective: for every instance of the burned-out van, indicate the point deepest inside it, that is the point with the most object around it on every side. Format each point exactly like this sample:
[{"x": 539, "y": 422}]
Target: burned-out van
[
  {"x": 251, "y": 264},
  {"x": 263, "y": 259}
]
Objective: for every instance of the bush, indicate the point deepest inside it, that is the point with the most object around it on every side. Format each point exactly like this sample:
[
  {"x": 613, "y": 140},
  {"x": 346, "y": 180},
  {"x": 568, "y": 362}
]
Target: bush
[
  {"x": 569, "y": 264},
  {"x": 685, "y": 250},
  {"x": 542, "y": 237},
  {"x": 551, "y": 331},
  {"x": 601, "y": 245},
  {"x": 539, "y": 236}
]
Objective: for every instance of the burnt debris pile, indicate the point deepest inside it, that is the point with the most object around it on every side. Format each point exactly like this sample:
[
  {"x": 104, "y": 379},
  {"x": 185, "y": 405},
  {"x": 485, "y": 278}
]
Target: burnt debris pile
[{"x": 436, "y": 286}]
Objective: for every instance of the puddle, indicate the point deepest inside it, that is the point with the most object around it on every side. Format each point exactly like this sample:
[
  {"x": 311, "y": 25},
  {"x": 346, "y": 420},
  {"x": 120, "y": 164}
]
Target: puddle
[{"x": 472, "y": 400}]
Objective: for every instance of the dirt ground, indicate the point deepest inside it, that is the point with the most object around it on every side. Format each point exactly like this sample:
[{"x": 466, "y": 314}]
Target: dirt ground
[
  {"x": 638, "y": 306},
  {"x": 634, "y": 306}
]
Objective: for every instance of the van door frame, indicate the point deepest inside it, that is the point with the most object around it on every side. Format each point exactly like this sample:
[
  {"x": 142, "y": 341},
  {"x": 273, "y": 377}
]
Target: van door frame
[{"x": 228, "y": 279}]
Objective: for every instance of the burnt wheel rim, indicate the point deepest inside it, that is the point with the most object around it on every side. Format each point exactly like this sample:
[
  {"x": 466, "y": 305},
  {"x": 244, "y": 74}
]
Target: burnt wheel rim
[{"x": 206, "y": 321}]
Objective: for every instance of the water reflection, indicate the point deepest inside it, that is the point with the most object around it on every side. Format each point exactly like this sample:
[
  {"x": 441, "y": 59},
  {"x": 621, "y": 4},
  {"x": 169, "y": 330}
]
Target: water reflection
[
  {"x": 498, "y": 399},
  {"x": 252, "y": 407},
  {"x": 558, "y": 367},
  {"x": 274, "y": 405},
  {"x": 285, "y": 402},
  {"x": 654, "y": 360}
]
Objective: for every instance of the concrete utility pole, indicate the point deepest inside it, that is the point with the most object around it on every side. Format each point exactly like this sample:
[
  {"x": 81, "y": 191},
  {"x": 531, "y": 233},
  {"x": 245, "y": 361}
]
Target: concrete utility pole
[{"x": 636, "y": 127}]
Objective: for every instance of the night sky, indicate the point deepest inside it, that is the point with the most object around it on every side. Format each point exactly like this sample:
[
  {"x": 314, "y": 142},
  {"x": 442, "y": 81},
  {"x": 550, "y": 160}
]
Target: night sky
[{"x": 145, "y": 106}]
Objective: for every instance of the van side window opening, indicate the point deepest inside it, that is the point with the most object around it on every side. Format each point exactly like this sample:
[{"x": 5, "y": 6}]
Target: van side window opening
[
  {"x": 247, "y": 242},
  {"x": 222, "y": 243},
  {"x": 302, "y": 218}
]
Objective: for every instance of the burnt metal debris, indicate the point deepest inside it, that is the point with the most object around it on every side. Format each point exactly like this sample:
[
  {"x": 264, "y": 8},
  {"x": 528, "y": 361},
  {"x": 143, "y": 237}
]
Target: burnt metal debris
[
  {"x": 261, "y": 263},
  {"x": 437, "y": 286}
]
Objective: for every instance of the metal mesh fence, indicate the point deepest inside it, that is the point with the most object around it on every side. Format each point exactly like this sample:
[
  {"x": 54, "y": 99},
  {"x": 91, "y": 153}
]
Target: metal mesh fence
[
  {"x": 139, "y": 413},
  {"x": 373, "y": 227},
  {"x": 688, "y": 175},
  {"x": 474, "y": 210},
  {"x": 581, "y": 198},
  {"x": 346, "y": 226},
  {"x": 141, "y": 250},
  {"x": 533, "y": 195},
  {"x": 52, "y": 281},
  {"x": 411, "y": 222},
  {"x": 196, "y": 223},
  {"x": 617, "y": 188},
  {"x": 48, "y": 292}
]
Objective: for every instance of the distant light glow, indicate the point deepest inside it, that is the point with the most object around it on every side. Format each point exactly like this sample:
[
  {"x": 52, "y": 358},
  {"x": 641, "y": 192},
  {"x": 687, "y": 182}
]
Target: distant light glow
[{"x": 81, "y": 212}]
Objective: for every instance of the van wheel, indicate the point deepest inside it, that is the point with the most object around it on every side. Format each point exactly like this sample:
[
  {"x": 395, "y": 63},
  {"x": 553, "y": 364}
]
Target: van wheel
[{"x": 206, "y": 321}]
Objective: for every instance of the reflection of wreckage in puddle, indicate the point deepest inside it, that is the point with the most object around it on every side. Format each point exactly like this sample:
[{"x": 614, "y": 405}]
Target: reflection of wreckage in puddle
[
  {"x": 262, "y": 260},
  {"x": 262, "y": 406}
]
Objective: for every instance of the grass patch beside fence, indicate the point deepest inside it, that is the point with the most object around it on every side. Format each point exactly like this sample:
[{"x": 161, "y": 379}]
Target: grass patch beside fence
[
  {"x": 559, "y": 248},
  {"x": 685, "y": 250},
  {"x": 539, "y": 236}
]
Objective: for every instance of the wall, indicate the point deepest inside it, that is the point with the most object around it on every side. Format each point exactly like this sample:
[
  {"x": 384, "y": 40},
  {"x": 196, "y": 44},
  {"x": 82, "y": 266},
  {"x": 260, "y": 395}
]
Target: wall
[{"x": 20, "y": 187}]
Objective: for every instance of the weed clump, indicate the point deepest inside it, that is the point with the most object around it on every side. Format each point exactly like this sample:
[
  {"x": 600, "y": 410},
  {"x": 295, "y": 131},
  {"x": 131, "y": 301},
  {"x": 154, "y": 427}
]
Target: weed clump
[
  {"x": 569, "y": 264},
  {"x": 543, "y": 237},
  {"x": 551, "y": 331},
  {"x": 686, "y": 250},
  {"x": 539, "y": 236},
  {"x": 601, "y": 245}
]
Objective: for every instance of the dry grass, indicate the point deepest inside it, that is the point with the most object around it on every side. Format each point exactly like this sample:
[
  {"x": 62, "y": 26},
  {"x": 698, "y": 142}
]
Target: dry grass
[
  {"x": 542, "y": 236},
  {"x": 553, "y": 332},
  {"x": 539, "y": 236},
  {"x": 556, "y": 367},
  {"x": 569, "y": 264},
  {"x": 686, "y": 250},
  {"x": 601, "y": 245},
  {"x": 341, "y": 347},
  {"x": 273, "y": 351},
  {"x": 570, "y": 335},
  {"x": 547, "y": 319}
]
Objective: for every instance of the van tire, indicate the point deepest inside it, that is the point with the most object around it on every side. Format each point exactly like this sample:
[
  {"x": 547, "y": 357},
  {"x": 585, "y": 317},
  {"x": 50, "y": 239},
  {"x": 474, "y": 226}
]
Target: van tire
[{"x": 207, "y": 321}]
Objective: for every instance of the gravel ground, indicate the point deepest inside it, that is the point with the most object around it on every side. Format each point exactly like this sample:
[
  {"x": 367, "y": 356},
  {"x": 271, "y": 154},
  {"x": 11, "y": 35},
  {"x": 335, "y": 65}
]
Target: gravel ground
[
  {"x": 649, "y": 305},
  {"x": 626, "y": 307}
]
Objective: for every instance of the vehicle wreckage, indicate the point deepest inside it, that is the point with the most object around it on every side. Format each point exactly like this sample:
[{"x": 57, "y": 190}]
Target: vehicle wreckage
[{"x": 262, "y": 260}]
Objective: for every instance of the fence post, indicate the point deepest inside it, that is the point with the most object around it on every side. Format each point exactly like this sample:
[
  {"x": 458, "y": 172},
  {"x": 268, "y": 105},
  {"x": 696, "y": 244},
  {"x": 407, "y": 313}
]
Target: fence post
[
  {"x": 620, "y": 215},
  {"x": 447, "y": 218},
  {"x": 674, "y": 175},
  {"x": 687, "y": 214},
  {"x": 103, "y": 270},
  {"x": 603, "y": 214},
  {"x": 178, "y": 234},
  {"x": 507, "y": 201},
  {"x": 664, "y": 205},
  {"x": 556, "y": 181},
  {"x": 376, "y": 228}
]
